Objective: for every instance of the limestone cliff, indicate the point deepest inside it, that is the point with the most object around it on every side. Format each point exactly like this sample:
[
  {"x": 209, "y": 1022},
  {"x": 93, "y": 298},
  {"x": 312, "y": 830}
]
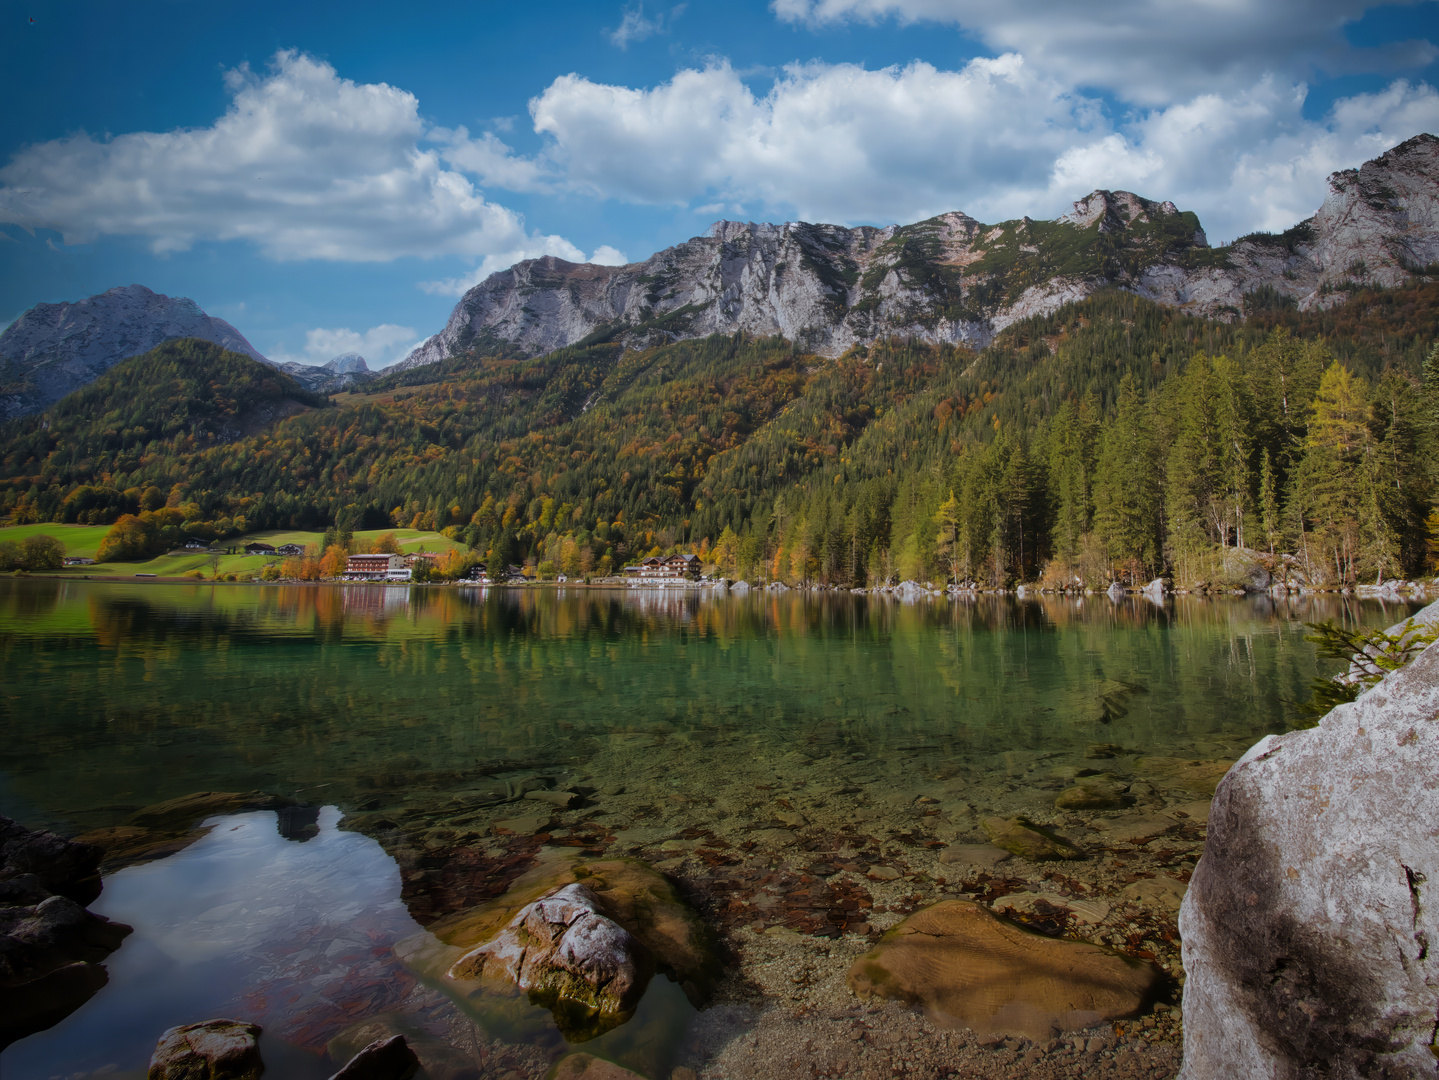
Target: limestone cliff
[
  {"x": 954, "y": 279},
  {"x": 53, "y": 349}
]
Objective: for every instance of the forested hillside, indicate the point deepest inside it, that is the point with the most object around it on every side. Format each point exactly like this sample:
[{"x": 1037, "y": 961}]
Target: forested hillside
[
  {"x": 88, "y": 457},
  {"x": 1113, "y": 437}
]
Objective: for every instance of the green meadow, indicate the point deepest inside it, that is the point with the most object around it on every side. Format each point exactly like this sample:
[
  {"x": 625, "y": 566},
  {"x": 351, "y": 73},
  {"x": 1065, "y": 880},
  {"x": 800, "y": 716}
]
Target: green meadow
[{"x": 84, "y": 540}]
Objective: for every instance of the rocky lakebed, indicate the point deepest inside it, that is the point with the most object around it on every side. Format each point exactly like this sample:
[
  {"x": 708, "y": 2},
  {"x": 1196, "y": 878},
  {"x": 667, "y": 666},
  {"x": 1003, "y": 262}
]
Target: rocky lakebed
[{"x": 810, "y": 914}]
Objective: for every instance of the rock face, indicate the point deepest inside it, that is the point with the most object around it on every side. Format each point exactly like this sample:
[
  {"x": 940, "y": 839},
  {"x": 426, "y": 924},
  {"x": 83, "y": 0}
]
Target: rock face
[
  {"x": 50, "y": 946},
  {"x": 952, "y": 278},
  {"x": 54, "y": 348},
  {"x": 1310, "y": 924},
  {"x": 969, "y": 968},
  {"x": 213, "y": 1050},
  {"x": 562, "y": 949}
]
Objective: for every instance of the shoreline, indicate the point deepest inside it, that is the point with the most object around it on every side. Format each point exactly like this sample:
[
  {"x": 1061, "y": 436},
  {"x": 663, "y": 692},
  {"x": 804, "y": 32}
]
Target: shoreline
[{"x": 1414, "y": 591}]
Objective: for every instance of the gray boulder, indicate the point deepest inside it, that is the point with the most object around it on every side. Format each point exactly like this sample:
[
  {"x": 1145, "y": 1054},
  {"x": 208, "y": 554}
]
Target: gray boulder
[{"x": 1309, "y": 922}]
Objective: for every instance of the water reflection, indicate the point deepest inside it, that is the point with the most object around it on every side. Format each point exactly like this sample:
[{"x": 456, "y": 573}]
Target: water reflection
[
  {"x": 117, "y": 696},
  {"x": 243, "y": 923}
]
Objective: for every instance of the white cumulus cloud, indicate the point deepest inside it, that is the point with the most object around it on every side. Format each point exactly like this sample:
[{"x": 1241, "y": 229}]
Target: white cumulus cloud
[
  {"x": 996, "y": 138},
  {"x": 1149, "y": 51},
  {"x": 304, "y": 164},
  {"x": 833, "y": 142}
]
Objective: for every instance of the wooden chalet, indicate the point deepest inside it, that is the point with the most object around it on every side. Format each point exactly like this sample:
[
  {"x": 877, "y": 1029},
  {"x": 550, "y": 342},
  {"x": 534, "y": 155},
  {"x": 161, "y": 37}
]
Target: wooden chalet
[{"x": 259, "y": 547}]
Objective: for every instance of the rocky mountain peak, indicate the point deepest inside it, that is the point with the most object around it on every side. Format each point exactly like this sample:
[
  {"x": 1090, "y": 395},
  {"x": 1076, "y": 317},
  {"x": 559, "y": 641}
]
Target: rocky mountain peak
[
  {"x": 1380, "y": 222},
  {"x": 55, "y": 348},
  {"x": 347, "y": 364},
  {"x": 1115, "y": 210},
  {"x": 952, "y": 278}
]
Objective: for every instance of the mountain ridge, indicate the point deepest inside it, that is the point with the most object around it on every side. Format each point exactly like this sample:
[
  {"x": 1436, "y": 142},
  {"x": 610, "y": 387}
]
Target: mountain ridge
[
  {"x": 53, "y": 349},
  {"x": 952, "y": 279}
]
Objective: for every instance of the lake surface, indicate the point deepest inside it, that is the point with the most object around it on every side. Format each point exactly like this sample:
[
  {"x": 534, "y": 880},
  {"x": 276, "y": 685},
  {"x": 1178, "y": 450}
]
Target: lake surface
[{"x": 374, "y": 699}]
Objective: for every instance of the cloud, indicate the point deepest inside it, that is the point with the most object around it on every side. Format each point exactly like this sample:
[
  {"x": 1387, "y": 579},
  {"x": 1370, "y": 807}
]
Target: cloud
[
  {"x": 996, "y": 139},
  {"x": 1150, "y": 52},
  {"x": 635, "y": 26},
  {"x": 303, "y": 164},
  {"x": 834, "y": 142},
  {"x": 607, "y": 256},
  {"x": 604, "y": 255},
  {"x": 379, "y": 345}
]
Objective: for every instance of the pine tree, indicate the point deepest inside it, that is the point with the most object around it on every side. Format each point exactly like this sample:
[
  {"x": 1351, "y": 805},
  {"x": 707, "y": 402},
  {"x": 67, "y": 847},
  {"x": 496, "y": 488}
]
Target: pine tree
[{"x": 1126, "y": 489}]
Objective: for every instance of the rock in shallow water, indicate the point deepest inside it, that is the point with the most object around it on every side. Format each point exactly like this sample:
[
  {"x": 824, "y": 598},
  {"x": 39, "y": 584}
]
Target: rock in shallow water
[
  {"x": 1021, "y": 837},
  {"x": 213, "y": 1050},
  {"x": 589, "y": 1067},
  {"x": 969, "y": 968},
  {"x": 50, "y": 946},
  {"x": 562, "y": 948},
  {"x": 383, "y": 1059},
  {"x": 1310, "y": 923}
]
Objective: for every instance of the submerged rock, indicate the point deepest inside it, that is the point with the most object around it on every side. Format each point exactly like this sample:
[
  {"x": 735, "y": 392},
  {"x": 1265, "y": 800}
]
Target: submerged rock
[
  {"x": 969, "y": 968},
  {"x": 1020, "y": 836},
  {"x": 1310, "y": 923},
  {"x": 213, "y": 1050},
  {"x": 565, "y": 952},
  {"x": 1089, "y": 795},
  {"x": 1199, "y": 777},
  {"x": 589, "y": 1067}
]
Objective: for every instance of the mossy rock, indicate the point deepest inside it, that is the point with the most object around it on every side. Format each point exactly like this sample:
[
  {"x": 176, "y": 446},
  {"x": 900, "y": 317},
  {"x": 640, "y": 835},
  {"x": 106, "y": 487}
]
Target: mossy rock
[
  {"x": 1020, "y": 836},
  {"x": 1089, "y": 796},
  {"x": 631, "y": 892}
]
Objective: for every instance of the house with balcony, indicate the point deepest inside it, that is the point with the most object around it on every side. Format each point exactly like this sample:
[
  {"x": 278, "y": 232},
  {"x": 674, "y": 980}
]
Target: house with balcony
[{"x": 665, "y": 568}]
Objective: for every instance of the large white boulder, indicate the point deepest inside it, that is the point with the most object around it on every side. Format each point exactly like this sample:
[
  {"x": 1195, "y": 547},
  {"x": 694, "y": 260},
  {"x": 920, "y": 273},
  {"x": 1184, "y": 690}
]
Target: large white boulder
[{"x": 1311, "y": 925}]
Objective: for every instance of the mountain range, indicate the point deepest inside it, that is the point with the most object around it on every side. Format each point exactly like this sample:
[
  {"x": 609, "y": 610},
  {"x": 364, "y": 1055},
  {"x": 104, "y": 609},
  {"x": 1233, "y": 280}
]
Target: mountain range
[
  {"x": 825, "y": 288},
  {"x": 953, "y": 279}
]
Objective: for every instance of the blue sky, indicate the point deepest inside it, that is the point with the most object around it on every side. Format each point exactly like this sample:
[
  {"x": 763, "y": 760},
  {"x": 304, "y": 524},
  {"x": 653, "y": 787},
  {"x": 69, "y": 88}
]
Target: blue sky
[{"x": 331, "y": 177}]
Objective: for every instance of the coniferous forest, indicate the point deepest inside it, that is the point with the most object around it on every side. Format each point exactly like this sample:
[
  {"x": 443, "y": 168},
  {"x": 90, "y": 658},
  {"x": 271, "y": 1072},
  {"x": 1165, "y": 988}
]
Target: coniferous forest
[{"x": 1112, "y": 440}]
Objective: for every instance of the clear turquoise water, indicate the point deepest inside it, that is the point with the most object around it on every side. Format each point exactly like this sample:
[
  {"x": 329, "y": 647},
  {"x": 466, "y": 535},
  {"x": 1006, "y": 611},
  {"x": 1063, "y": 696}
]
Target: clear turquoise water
[{"x": 116, "y": 696}]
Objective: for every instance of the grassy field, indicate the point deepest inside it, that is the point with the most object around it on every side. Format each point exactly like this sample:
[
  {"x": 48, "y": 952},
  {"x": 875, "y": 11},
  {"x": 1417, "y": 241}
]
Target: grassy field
[{"x": 84, "y": 540}]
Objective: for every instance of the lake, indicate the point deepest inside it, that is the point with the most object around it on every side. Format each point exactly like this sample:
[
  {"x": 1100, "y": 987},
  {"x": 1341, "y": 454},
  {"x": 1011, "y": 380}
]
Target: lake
[{"x": 415, "y": 717}]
